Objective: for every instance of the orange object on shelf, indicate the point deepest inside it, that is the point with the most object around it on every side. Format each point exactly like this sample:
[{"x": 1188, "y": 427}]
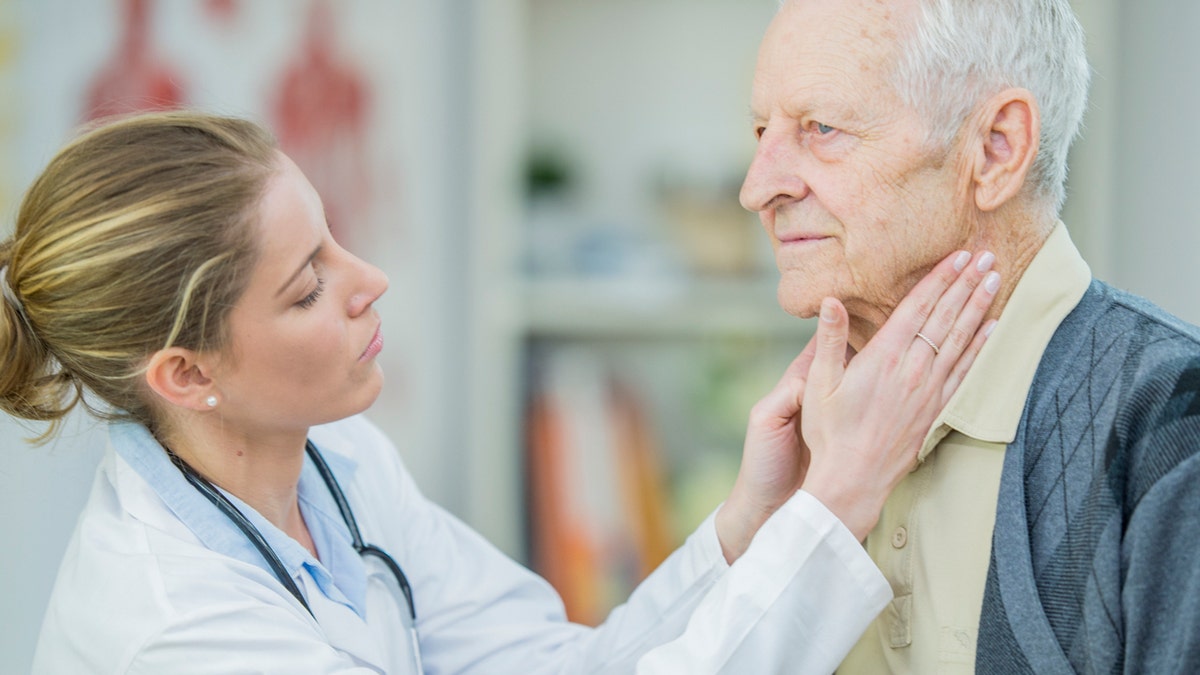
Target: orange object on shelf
[{"x": 597, "y": 500}]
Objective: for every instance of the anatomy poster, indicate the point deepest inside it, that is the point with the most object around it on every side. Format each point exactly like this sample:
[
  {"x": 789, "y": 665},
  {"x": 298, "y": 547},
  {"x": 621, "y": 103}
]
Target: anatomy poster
[
  {"x": 134, "y": 77},
  {"x": 332, "y": 79},
  {"x": 318, "y": 94},
  {"x": 351, "y": 88},
  {"x": 320, "y": 110}
]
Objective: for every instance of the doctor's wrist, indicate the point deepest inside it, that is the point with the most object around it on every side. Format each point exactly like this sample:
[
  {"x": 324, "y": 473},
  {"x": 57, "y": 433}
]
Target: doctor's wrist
[
  {"x": 737, "y": 521},
  {"x": 857, "y": 509}
]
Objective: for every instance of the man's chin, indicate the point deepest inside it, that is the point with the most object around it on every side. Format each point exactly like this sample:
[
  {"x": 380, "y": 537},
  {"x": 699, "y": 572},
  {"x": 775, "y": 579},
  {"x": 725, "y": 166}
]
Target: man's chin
[{"x": 797, "y": 303}]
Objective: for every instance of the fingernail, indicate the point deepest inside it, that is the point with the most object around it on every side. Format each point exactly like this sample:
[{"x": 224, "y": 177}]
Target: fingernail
[
  {"x": 961, "y": 261},
  {"x": 991, "y": 326},
  {"x": 985, "y": 261},
  {"x": 827, "y": 313},
  {"x": 991, "y": 282}
]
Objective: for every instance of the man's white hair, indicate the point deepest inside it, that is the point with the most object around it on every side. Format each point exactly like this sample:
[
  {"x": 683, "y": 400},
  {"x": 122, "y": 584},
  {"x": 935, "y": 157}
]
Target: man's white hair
[{"x": 964, "y": 51}]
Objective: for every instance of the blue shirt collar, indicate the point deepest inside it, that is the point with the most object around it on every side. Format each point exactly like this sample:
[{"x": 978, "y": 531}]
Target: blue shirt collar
[{"x": 340, "y": 574}]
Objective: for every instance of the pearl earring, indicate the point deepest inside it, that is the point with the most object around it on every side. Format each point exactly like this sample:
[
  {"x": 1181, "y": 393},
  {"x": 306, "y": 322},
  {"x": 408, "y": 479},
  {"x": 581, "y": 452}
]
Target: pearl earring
[{"x": 211, "y": 401}]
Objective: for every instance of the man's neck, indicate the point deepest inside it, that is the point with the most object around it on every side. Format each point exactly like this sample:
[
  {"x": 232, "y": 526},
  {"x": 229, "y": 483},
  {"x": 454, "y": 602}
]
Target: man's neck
[{"x": 1014, "y": 242}]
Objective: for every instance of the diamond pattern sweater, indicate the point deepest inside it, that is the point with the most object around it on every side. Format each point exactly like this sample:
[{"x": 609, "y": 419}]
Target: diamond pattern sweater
[{"x": 1095, "y": 563}]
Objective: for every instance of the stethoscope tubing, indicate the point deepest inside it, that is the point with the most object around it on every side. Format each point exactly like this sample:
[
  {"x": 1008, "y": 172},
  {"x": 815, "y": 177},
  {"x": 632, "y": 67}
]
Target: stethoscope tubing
[
  {"x": 352, "y": 524},
  {"x": 218, "y": 499},
  {"x": 227, "y": 507}
]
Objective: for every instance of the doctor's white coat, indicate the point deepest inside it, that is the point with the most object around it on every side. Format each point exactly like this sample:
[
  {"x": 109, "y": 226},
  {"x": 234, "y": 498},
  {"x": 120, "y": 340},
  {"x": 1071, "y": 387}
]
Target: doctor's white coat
[{"x": 139, "y": 593}]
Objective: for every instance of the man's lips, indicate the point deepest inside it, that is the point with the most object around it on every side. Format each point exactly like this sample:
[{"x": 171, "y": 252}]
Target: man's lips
[{"x": 800, "y": 238}]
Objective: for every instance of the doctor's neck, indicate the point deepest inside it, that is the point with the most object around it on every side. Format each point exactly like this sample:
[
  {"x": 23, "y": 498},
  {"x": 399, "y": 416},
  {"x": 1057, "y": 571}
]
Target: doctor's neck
[{"x": 261, "y": 469}]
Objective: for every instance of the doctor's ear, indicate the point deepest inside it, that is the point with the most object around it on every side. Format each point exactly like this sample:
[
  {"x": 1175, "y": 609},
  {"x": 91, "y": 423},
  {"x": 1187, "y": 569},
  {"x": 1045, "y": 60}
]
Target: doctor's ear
[
  {"x": 180, "y": 378},
  {"x": 1007, "y": 143}
]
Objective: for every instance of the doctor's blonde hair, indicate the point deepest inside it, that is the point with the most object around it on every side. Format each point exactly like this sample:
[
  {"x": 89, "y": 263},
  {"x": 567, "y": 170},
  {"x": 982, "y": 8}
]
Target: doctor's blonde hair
[{"x": 137, "y": 236}]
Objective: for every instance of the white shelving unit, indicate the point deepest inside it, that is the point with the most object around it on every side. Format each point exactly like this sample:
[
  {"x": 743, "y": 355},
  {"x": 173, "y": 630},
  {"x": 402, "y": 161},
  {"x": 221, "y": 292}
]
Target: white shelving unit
[
  {"x": 581, "y": 309},
  {"x": 633, "y": 88}
]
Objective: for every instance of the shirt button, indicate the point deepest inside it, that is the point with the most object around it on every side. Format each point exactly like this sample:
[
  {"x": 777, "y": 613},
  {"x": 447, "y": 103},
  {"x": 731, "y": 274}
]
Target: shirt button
[{"x": 899, "y": 537}]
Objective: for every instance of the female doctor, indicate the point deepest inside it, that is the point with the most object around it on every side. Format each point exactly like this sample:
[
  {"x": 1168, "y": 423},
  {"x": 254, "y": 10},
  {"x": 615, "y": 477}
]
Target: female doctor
[{"x": 174, "y": 273}]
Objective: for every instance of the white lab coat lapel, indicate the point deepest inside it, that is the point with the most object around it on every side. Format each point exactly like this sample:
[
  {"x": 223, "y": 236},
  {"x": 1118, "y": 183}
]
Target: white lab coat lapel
[{"x": 345, "y": 630}]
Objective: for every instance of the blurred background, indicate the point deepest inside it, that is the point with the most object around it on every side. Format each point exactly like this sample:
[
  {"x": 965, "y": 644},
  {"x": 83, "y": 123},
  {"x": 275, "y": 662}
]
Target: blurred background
[{"x": 580, "y": 314}]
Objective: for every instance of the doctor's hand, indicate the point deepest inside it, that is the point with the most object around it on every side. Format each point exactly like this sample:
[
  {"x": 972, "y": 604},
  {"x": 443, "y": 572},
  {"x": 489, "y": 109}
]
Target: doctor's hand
[
  {"x": 863, "y": 419},
  {"x": 864, "y": 422}
]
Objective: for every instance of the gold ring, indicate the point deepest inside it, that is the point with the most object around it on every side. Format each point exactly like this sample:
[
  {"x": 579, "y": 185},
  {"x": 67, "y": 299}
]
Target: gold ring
[{"x": 929, "y": 342}]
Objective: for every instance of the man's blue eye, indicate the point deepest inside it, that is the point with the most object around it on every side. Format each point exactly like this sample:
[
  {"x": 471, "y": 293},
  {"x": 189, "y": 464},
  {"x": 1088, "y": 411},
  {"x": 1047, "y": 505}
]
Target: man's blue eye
[{"x": 824, "y": 129}]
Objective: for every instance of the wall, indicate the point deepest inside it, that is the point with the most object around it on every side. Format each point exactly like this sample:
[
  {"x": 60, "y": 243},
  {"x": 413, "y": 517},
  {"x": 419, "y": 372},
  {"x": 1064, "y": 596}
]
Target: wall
[
  {"x": 1133, "y": 172},
  {"x": 41, "y": 493},
  {"x": 1157, "y": 218}
]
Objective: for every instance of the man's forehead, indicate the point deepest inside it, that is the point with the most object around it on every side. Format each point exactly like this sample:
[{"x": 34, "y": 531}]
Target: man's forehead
[
  {"x": 867, "y": 27},
  {"x": 829, "y": 46},
  {"x": 886, "y": 10}
]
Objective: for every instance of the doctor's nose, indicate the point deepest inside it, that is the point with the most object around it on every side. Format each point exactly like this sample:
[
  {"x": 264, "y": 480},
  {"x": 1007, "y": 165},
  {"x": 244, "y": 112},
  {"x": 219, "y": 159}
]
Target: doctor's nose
[
  {"x": 370, "y": 284},
  {"x": 774, "y": 174}
]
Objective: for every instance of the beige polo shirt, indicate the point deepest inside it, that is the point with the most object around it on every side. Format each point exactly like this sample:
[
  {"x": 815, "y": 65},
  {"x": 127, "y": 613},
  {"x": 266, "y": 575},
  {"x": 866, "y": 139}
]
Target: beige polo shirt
[{"x": 934, "y": 536}]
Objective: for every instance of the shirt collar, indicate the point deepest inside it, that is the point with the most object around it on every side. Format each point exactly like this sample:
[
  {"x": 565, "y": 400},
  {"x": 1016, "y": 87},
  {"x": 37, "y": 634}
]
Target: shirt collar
[
  {"x": 989, "y": 402},
  {"x": 342, "y": 575}
]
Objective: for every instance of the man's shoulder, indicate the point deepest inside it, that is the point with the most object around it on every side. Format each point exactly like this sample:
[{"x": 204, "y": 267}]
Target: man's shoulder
[
  {"x": 1114, "y": 333},
  {"x": 1128, "y": 371},
  {"x": 1163, "y": 322},
  {"x": 1118, "y": 364}
]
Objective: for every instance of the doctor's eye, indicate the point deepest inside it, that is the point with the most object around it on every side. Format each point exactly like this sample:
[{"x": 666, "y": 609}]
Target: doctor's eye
[
  {"x": 759, "y": 131},
  {"x": 310, "y": 299},
  {"x": 823, "y": 129}
]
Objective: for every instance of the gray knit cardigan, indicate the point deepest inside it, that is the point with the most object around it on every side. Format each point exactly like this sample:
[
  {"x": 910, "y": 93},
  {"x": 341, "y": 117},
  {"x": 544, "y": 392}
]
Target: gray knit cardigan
[{"x": 1095, "y": 563}]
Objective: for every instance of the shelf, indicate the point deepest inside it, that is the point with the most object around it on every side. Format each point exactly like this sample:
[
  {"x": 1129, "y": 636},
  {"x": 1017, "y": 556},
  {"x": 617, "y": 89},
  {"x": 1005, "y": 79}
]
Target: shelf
[
  {"x": 548, "y": 74},
  {"x": 649, "y": 309}
]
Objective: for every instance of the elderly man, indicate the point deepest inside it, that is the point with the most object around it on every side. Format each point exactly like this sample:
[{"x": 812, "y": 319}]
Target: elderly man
[{"x": 1047, "y": 527}]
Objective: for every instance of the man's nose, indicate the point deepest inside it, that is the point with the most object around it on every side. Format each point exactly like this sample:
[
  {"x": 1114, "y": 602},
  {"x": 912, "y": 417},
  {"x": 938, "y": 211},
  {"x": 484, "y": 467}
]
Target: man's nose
[{"x": 774, "y": 175}]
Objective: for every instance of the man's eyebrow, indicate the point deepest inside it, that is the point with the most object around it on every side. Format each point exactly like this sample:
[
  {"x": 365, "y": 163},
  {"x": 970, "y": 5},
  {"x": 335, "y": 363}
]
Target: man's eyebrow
[{"x": 307, "y": 262}]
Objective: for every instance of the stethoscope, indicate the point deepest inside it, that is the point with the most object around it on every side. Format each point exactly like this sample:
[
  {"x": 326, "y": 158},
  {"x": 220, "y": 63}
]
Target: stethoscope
[{"x": 226, "y": 507}]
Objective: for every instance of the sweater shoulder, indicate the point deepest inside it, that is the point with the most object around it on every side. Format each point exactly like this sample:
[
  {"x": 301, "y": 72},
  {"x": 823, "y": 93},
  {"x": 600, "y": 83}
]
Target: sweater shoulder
[{"x": 1126, "y": 374}]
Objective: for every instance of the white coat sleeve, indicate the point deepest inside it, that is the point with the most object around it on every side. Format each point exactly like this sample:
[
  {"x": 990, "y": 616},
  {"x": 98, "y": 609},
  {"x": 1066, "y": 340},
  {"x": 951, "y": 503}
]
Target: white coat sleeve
[
  {"x": 796, "y": 601},
  {"x": 478, "y": 611},
  {"x": 804, "y": 580}
]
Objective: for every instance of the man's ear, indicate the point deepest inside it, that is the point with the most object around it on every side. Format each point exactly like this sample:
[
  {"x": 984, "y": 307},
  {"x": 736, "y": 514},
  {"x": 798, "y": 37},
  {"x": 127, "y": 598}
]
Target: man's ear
[
  {"x": 180, "y": 378},
  {"x": 1010, "y": 126}
]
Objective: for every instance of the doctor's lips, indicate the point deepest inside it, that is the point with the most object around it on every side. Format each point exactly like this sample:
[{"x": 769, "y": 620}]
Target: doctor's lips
[{"x": 375, "y": 346}]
